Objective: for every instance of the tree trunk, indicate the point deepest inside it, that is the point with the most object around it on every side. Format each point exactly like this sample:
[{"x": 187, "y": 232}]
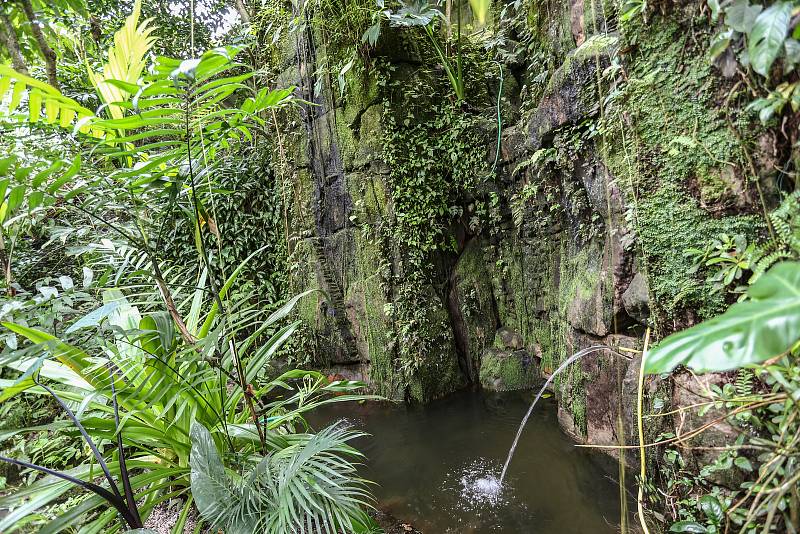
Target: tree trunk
[
  {"x": 47, "y": 52},
  {"x": 9, "y": 37},
  {"x": 242, "y": 9},
  {"x": 5, "y": 266}
]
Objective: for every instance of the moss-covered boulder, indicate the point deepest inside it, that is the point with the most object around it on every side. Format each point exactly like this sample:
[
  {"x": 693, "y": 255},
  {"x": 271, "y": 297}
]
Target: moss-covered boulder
[{"x": 504, "y": 370}]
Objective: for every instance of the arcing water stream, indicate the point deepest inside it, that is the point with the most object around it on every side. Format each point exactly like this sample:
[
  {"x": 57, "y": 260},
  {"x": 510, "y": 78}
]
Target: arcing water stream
[
  {"x": 567, "y": 362},
  {"x": 489, "y": 487}
]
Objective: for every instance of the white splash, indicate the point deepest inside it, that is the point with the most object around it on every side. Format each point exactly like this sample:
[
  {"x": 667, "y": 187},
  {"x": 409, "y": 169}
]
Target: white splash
[{"x": 479, "y": 486}]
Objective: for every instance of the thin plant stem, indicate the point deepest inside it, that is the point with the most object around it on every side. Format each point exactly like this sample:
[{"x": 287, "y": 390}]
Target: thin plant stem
[
  {"x": 640, "y": 427},
  {"x": 215, "y": 290}
]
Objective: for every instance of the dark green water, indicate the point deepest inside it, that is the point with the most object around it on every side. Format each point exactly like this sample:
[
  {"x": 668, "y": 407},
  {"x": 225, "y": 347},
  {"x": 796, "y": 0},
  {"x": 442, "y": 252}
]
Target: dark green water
[{"x": 426, "y": 462}]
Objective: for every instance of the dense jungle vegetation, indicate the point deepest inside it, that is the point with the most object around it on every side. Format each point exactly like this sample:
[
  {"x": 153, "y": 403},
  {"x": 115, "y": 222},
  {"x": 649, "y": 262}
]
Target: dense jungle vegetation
[{"x": 213, "y": 211}]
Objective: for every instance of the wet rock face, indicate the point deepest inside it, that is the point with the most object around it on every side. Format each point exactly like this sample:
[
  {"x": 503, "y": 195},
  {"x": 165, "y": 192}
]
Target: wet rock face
[
  {"x": 556, "y": 270},
  {"x": 636, "y": 299}
]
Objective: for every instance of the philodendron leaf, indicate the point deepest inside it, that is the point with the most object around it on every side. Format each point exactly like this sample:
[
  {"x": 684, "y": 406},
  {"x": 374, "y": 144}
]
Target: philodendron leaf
[
  {"x": 750, "y": 332},
  {"x": 688, "y": 526},
  {"x": 769, "y": 32},
  {"x": 711, "y": 506}
]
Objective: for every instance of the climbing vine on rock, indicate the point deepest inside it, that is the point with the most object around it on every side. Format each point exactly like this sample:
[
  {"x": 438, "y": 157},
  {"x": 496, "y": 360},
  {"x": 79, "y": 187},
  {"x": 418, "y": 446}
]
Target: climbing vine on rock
[{"x": 436, "y": 161}]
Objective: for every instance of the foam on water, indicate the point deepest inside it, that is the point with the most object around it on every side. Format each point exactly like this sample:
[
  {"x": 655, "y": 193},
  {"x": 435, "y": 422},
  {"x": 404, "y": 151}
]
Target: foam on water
[{"x": 478, "y": 486}]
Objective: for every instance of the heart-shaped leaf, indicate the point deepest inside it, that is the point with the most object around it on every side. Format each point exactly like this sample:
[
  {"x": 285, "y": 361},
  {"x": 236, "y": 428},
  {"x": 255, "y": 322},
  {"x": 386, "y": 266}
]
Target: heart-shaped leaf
[{"x": 750, "y": 332}]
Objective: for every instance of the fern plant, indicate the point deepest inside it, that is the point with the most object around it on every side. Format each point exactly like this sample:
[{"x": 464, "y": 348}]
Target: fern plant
[
  {"x": 310, "y": 486},
  {"x": 785, "y": 222}
]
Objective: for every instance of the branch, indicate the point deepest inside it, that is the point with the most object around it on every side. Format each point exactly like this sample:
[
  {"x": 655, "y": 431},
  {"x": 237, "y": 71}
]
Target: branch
[
  {"x": 9, "y": 37},
  {"x": 47, "y": 52},
  {"x": 242, "y": 10}
]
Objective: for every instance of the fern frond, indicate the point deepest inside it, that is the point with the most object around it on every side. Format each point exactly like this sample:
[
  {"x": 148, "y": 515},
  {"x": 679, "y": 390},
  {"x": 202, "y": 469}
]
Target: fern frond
[
  {"x": 744, "y": 382},
  {"x": 767, "y": 261},
  {"x": 786, "y": 222}
]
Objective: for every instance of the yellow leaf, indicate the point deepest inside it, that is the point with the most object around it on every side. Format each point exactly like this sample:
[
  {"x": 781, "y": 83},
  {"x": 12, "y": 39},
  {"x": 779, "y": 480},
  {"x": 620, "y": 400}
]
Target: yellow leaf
[
  {"x": 35, "y": 105},
  {"x": 126, "y": 60},
  {"x": 51, "y": 110},
  {"x": 16, "y": 96},
  {"x": 480, "y": 9},
  {"x": 67, "y": 115}
]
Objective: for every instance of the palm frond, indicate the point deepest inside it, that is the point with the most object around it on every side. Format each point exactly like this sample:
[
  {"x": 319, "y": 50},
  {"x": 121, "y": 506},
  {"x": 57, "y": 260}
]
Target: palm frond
[
  {"x": 126, "y": 62},
  {"x": 311, "y": 485},
  {"x": 40, "y": 96}
]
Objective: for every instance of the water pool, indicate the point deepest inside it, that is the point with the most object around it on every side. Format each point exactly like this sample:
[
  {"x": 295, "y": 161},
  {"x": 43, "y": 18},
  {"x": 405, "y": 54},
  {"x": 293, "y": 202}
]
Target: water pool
[{"x": 429, "y": 463}]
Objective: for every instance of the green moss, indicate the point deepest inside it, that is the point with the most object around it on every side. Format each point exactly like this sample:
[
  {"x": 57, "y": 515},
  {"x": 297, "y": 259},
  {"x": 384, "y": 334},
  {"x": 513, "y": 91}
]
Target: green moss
[
  {"x": 577, "y": 407},
  {"x": 376, "y": 327},
  {"x": 664, "y": 132},
  {"x": 436, "y": 372},
  {"x": 506, "y": 371},
  {"x": 671, "y": 222},
  {"x": 475, "y": 298},
  {"x": 549, "y": 26}
]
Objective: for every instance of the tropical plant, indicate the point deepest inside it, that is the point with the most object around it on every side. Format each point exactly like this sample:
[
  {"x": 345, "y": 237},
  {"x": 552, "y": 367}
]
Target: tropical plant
[
  {"x": 762, "y": 34},
  {"x": 161, "y": 386},
  {"x": 763, "y": 409},
  {"x": 765, "y": 326},
  {"x": 730, "y": 257},
  {"x": 26, "y": 194},
  {"x": 26, "y": 25},
  {"x": 311, "y": 485},
  {"x": 762, "y": 334},
  {"x": 153, "y": 358},
  {"x": 420, "y": 13},
  {"x": 126, "y": 506},
  {"x": 126, "y": 62}
]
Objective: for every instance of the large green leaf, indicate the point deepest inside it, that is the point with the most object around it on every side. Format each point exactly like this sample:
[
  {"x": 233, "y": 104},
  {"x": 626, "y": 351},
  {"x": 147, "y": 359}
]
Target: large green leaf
[
  {"x": 741, "y": 16},
  {"x": 750, "y": 332},
  {"x": 769, "y": 31},
  {"x": 59, "y": 107},
  {"x": 72, "y": 357}
]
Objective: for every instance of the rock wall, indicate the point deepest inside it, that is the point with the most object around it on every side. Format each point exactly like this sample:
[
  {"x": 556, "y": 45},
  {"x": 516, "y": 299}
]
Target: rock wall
[{"x": 616, "y": 154}]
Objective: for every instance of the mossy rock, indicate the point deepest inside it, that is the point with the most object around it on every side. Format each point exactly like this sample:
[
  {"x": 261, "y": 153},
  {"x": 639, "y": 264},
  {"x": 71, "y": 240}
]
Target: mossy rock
[
  {"x": 473, "y": 301},
  {"x": 503, "y": 370}
]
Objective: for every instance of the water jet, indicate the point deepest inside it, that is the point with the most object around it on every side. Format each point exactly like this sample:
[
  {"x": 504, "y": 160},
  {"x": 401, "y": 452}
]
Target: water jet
[{"x": 564, "y": 365}]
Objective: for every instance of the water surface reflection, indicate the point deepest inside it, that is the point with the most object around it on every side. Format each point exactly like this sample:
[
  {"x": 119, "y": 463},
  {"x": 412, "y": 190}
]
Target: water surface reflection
[{"x": 434, "y": 465}]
